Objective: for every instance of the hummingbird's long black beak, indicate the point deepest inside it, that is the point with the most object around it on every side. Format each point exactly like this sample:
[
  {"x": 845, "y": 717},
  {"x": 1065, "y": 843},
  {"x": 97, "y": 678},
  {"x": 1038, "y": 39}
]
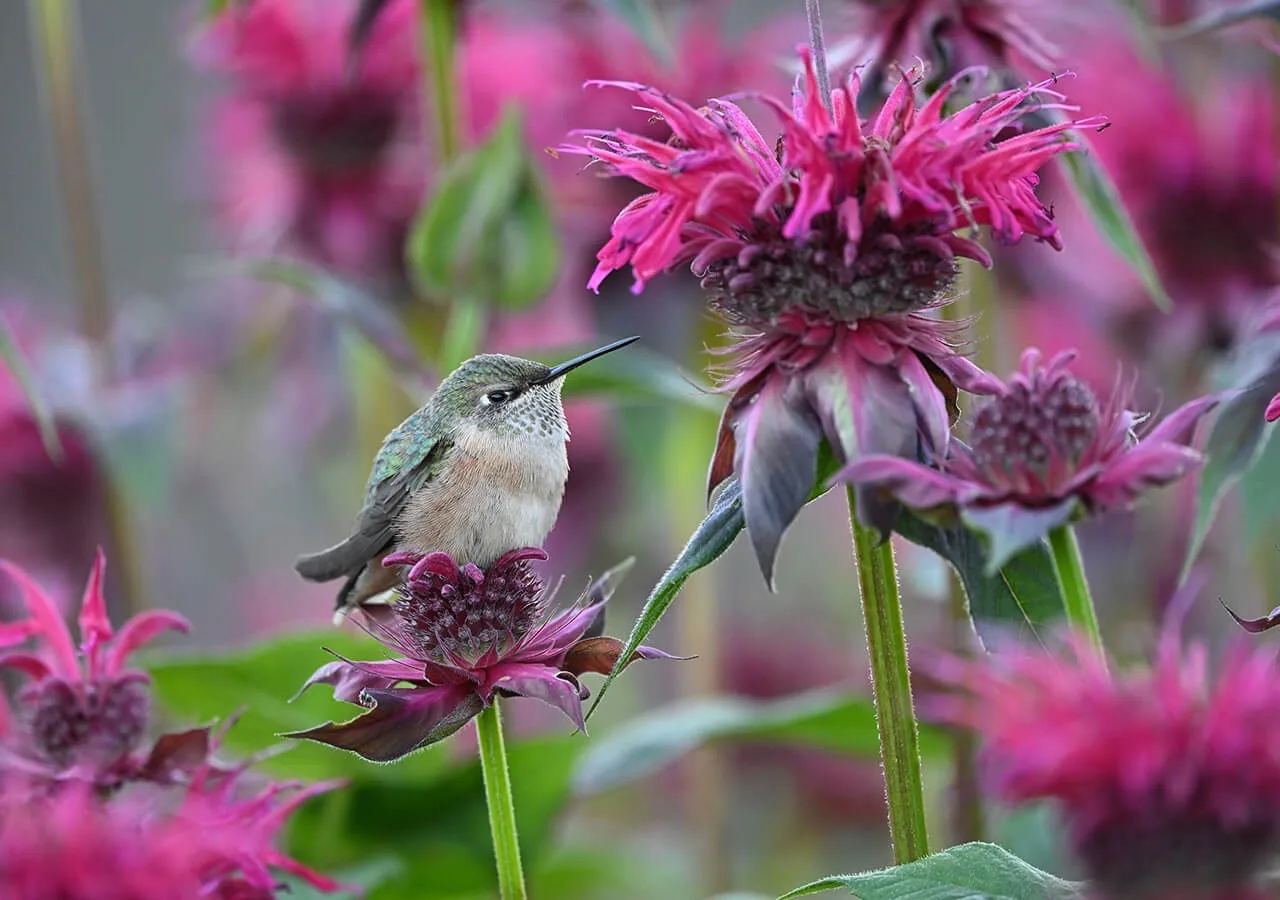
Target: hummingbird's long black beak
[{"x": 566, "y": 367}]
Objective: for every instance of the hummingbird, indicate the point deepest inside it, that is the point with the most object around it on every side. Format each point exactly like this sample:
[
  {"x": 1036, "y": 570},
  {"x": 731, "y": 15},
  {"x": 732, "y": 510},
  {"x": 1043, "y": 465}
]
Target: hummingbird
[{"x": 477, "y": 471}]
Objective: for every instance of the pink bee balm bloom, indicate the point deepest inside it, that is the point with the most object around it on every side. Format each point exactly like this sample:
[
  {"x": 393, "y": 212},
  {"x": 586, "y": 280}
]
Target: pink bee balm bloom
[
  {"x": 1042, "y": 452},
  {"x": 952, "y": 35},
  {"x": 1168, "y": 779},
  {"x": 83, "y": 713},
  {"x": 316, "y": 150},
  {"x": 72, "y": 843},
  {"x": 825, "y": 251},
  {"x": 464, "y": 635}
]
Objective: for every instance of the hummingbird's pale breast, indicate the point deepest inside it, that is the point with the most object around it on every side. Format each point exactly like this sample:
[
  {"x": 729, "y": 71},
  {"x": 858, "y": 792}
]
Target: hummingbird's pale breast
[{"x": 496, "y": 492}]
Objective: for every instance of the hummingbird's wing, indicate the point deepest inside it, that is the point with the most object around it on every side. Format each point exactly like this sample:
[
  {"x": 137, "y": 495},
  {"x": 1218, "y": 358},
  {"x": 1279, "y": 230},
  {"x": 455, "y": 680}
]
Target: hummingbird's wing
[{"x": 398, "y": 473}]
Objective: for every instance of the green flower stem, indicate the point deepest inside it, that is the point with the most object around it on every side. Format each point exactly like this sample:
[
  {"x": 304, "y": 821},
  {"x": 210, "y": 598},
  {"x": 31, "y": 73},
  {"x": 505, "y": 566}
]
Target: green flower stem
[
  {"x": 437, "y": 36},
  {"x": 891, "y": 684},
  {"x": 1075, "y": 586},
  {"x": 502, "y": 812}
]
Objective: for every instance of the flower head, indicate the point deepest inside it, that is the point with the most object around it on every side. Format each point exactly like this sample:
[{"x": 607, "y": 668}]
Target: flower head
[
  {"x": 464, "y": 635},
  {"x": 83, "y": 714},
  {"x": 1169, "y": 779},
  {"x": 214, "y": 843},
  {"x": 1041, "y": 452},
  {"x": 316, "y": 149},
  {"x": 825, "y": 251},
  {"x": 951, "y": 35}
]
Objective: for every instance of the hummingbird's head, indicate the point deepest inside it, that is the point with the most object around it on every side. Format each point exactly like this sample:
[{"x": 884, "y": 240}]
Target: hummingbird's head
[{"x": 510, "y": 395}]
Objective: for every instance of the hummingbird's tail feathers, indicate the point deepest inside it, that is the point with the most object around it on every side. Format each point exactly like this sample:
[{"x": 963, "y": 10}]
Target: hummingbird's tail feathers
[{"x": 347, "y": 558}]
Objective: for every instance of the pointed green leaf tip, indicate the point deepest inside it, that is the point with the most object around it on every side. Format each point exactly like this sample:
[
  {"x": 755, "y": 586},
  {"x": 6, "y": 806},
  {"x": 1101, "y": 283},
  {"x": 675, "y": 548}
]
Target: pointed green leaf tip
[
  {"x": 974, "y": 871},
  {"x": 11, "y": 359},
  {"x": 1102, "y": 201},
  {"x": 486, "y": 233}
]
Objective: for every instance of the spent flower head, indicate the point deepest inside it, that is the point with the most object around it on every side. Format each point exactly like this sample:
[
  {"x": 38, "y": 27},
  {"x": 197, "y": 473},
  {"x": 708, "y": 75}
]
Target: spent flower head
[
  {"x": 1168, "y": 779},
  {"x": 1042, "y": 452},
  {"x": 82, "y": 713},
  {"x": 462, "y": 636},
  {"x": 825, "y": 251}
]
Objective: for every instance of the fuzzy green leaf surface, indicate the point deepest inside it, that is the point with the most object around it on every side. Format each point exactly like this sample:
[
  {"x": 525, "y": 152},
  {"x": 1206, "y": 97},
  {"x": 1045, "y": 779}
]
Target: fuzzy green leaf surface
[
  {"x": 1023, "y": 597},
  {"x": 1102, "y": 201},
  {"x": 835, "y": 721},
  {"x": 976, "y": 871}
]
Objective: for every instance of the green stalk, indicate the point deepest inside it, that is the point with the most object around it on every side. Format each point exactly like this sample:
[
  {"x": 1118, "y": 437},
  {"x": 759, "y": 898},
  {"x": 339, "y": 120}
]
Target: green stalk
[
  {"x": 502, "y": 813},
  {"x": 437, "y": 41},
  {"x": 891, "y": 684},
  {"x": 437, "y": 35},
  {"x": 55, "y": 30},
  {"x": 1075, "y": 586}
]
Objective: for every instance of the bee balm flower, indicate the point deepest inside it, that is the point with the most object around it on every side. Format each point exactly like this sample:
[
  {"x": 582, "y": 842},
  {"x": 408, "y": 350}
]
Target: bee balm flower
[
  {"x": 824, "y": 251},
  {"x": 1041, "y": 452},
  {"x": 465, "y": 635}
]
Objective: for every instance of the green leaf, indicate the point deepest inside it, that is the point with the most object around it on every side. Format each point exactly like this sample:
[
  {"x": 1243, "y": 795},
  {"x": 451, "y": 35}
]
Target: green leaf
[
  {"x": 830, "y": 720},
  {"x": 365, "y": 314},
  {"x": 635, "y": 375},
  {"x": 1024, "y": 595},
  {"x": 486, "y": 233},
  {"x": 1102, "y": 201},
  {"x": 718, "y": 530},
  {"x": 968, "y": 872},
  {"x": 11, "y": 359},
  {"x": 643, "y": 19},
  {"x": 1238, "y": 439}
]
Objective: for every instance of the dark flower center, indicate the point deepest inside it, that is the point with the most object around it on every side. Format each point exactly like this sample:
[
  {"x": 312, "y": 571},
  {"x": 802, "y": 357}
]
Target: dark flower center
[
  {"x": 472, "y": 614},
  {"x": 885, "y": 272},
  {"x": 105, "y": 720},
  {"x": 1033, "y": 425},
  {"x": 1173, "y": 856},
  {"x": 337, "y": 133}
]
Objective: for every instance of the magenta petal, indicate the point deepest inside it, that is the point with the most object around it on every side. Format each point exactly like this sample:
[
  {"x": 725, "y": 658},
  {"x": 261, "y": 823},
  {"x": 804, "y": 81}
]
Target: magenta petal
[
  {"x": 95, "y": 627},
  {"x": 930, "y": 405},
  {"x": 1258, "y": 625},
  {"x": 915, "y": 485},
  {"x": 399, "y": 722},
  {"x": 141, "y": 629},
  {"x": 545, "y": 683},
  {"x": 1273, "y": 409},
  {"x": 348, "y": 679},
  {"x": 1011, "y": 528},
  {"x": 1147, "y": 465},
  {"x": 47, "y": 622},
  {"x": 28, "y": 664},
  {"x": 1177, "y": 425}
]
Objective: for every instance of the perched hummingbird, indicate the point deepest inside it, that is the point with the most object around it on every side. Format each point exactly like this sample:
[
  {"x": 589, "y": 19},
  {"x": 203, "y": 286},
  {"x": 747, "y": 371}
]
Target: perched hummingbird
[{"x": 477, "y": 471}]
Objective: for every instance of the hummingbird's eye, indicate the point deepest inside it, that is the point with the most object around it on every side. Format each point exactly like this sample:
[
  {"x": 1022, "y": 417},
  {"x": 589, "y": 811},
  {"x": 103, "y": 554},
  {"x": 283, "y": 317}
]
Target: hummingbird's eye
[{"x": 493, "y": 398}]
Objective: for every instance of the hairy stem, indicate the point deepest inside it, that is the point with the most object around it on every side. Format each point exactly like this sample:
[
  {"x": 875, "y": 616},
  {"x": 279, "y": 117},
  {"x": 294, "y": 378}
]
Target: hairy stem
[
  {"x": 891, "y": 684},
  {"x": 1075, "y": 586},
  {"x": 502, "y": 813},
  {"x": 813, "y": 11}
]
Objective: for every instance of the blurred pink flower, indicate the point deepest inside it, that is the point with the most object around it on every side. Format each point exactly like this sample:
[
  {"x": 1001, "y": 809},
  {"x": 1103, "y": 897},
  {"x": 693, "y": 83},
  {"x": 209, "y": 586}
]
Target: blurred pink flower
[
  {"x": 315, "y": 151},
  {"x": 950, "y": 35},
  {"x": 73, "y": 843},
  {"x": 82, "y": 714},
  {"x": 1169, "y": 779},
  {"x": 1042, "y": 452},
  {"x": 1196, "y": 170},
  {"x": 464, "y": 636},
  {"x": 541, "y": 64},
  {"x": 825, "y": 249}
]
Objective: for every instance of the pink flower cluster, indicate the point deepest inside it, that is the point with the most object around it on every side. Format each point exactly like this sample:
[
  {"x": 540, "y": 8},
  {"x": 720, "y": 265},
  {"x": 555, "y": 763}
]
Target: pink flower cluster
[{"x": 88, "y": 806}]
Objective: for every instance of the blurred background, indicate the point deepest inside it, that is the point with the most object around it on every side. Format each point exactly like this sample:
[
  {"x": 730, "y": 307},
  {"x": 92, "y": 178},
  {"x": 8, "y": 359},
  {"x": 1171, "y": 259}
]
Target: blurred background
[{"x": 202, "y": 257}]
